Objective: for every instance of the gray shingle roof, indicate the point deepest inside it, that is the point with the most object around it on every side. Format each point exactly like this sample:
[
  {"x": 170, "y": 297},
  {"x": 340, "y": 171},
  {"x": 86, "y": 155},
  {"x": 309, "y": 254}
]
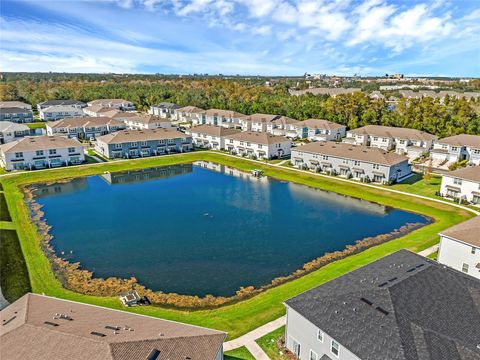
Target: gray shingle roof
[
  {"x": 414, "y": 309},
  {"x": 61, "y": 102}
]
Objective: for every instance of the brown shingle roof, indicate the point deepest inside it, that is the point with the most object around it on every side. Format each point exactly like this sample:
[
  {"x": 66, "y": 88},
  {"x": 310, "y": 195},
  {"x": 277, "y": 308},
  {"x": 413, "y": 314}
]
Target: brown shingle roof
[
  {"x": 467, "y": 231},
  {"x": 107, "y": 102},
  {"x": 462, "y": 140},
  {"x": 353, "y": 152},
  {"x": 213, "y": 130},
  {"x": 123, "y": 136},
  {"x": 320, "y": 124},
  {"x": 147, "y": 119},
  {"x": 191, "y": 109},
  {"x": 224, "y": 113},
  {"x": 258, "y": 138},
  {"x": 394, "y": 132},
  {"x": 25, "y": 335},
  {"x": 468, "y": 173},
  {"x": 32, "y": 143},
  {"x": 84, "y": 122},
  {"x": 10, "y": 104}
]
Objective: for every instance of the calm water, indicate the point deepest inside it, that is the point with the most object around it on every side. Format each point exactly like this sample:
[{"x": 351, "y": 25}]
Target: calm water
[{"x": 192, "y": 230}]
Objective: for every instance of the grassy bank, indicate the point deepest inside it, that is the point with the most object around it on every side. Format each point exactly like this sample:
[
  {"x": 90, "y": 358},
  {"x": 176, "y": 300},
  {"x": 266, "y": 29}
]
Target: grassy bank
[
  {"x": 4, "y": 213},
  {"x": 241, "y": 353},
  {"x": 269, "y": 344},
  {"x": 242, "y": 317}
]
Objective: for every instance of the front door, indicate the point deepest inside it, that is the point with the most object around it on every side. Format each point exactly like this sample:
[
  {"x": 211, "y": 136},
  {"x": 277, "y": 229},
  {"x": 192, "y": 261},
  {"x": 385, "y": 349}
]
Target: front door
[{"x": 296, "y": 349}]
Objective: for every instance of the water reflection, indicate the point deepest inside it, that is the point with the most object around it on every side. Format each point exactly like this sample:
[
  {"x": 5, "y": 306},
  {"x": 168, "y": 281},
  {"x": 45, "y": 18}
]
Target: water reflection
[
  {"x": 136, "y": 176},
  {"x": 60, "y": 188}
]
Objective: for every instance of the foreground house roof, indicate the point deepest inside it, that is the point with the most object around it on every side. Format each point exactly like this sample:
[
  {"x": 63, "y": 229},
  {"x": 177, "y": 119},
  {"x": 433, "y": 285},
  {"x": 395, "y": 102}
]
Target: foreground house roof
[
  {"x": 470, "y": 173},
  {"x": 353, "y": 152},
  {"x": 61, "y": 108},
  {"x": 11, "y": 126},
  {"x": 462, "y": 140},
  {"x": 401, "y": 307},
  {"x": 258, "y": 138},
  {"x": 120, "y": 137},
  {"x": 213, "y": 130},
  {"x": 84, "y": 122},
  {"x": 40, "y": 327},
  {"x": 32, "y": 143},
  {"x": 14, "y": 110},
  {"x": 394, "y": 132},
  {"x": 467, "y": 231}
]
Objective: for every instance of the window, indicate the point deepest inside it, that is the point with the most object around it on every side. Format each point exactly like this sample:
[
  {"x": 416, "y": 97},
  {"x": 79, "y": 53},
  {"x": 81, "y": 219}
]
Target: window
[
  {"x": 376, "y": 166},
  {"x": 375, "y": 138},
  {"x": 457, "y": 181},
  {"x": 39, "y": 152},
  {"x": 335, "y": 348},
  {"x": 473, "y": 250},
  {"x": 465, "y": 268},
  {"x": 19, "y": 154},
  {"x": 454, "y": 148},
  {"x": 320, "y": 335},
  {"x": 118, "y": 146},
  {"x": 324, "y": 157},
  {"x": 357, "y": 163},
  {"x": 134, "y": 143},
  {"x": 259, "y": 146},
  {"x": 52, "y": 151},
  {"x": 71, "y": 150},
  {"x": 313, "y": 355},
  {"x": 143, "y": 143}
]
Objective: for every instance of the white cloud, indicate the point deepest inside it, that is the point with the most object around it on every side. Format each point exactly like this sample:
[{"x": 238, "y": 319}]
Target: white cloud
[{"x": 262, "y": 30}]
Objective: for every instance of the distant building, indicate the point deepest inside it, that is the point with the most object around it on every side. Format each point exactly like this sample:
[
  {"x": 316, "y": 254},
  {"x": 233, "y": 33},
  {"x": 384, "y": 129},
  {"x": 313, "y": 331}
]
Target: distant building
[
  {"x": 258, "y": 144},
  {"x": 376, "y": 95},
  {"x": 457, "y": 148},
  {"x": 402, "y": 307},
  {"x": 358, "y": 162},
  {"x": 210, "y": 136},
  {"x": 318, "y": 130},
  {"x": 16, "y": 115},
  {"x": 164, "y": 109},
  {"x": 15, "y": 104},
  {"x": 409, "y": 142},
  {"x": 142, "y": 143},
  {"x": 10, "y": 131},
  {"x": 462, "y": 184},
  {"x": 141, "y": 121},
  {"x": 192, "y": 114},
  {"x": 333, "y": 92},
  {"x": 226, "y": 118},
  {"x": 43, "y": 328},
  {"x": 73, "y": 103},
  {"x": 460, "y": 247},
  {"x": 273, "y": 124},
  {"x": 58, "y": 112},
  {"x": 39, "y": 152},
  {"x": 84, "y": 127},
  {"x": 119, "y": 104}
]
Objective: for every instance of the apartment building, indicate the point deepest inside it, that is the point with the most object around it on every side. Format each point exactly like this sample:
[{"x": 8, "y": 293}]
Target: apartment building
[
  {"x": 15, "y": 104},
  {"x": 84, "y": 127},
  {"x": 119, "y": 104},
  {"x": 141, "y": 121},
  {"x": 409, "y": 142},
  {"x": 16, "y": 115},
  {"x": 142, "y": 143},
  {"x": 402, "y": 307},
  {"x": 352, "y": 161},
  {"x": 10, "y": 131},
  {"x": 58, "y": 112},
  {"x": 457, "y": 148},
  {"x": 317, "y": 130},
  {"x": 258, "y": 144},
  {"x": 273, "y": 124},
  {"x": 460, "y": 247},
  {"x": 39, "y": 152},
  {"x": 192, "y": 114},
  {"x": 73, "y": 103},
  {"x": 164, "y": 109},
  {"x": 211, "y": 136},
  {"x": 226, "y": 118},
  {"x": 462, "y": 184},
  {"x": 44, "y": 328}
]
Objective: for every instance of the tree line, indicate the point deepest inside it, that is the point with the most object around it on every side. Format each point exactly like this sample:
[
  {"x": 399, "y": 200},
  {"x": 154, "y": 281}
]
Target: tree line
[{"x": 453, "y": 116}]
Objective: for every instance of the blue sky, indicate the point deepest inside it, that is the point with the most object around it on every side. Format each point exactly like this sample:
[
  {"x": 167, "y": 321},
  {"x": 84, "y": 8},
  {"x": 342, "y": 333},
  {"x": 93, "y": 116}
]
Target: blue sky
[{"x": 266, "y": 37}]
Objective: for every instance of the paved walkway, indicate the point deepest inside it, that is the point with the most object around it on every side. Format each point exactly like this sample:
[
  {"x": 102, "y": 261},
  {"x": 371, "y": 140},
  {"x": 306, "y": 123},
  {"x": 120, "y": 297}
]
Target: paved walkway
[{"x": 429, "y": 251}]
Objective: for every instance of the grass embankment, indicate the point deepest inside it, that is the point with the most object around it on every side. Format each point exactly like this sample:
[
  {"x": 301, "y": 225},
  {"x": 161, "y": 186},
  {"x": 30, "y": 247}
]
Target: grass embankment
[
  {"x": 37, "y": 125},
  {"x": 4, "y": 213},
  {"x": 241, "y": 353},
  {"x": 236, "y": 319},
  {"x": 269, "y": 344}
]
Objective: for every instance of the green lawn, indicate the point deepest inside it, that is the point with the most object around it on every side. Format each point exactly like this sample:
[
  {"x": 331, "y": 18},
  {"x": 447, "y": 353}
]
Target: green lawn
[
  {"x": 239, "y": 318},
  {"x": 241, "y": 353},
  {"x": 4, "y": 213},
  {"x": 269, "y": 344},
  {"x": 90, "y": 160},
  {"x": 37, "y": 125},
  {"x": 433, "y": 256},
  {"x": 13, "y": 271},
  {"x": 418, "y": 185}
]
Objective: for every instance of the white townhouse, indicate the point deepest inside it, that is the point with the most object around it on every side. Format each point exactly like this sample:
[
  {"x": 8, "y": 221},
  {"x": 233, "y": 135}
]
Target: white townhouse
[
  {"x": 98, "y": 111},
  {"x": 400, "y": 307},
  {"x": 318, "y": 130},
  {"x": 460, "y": 247},
  {"x": 226, "y": 118},
  {"x": 164, "y": 109},
  {"x": 142, "y": 143},
  {"x": 409, "y": 142},
  {"x": 119, "y": 104},
  {"x": 142, "y": 121},
  {"x": 457, "y": 148},
  {"x": 210, "y": 136},
  {"x": 352, "y": 161},
  {"x": 462, "y": 184},
  {"x": 39, "y": 152},
  {"x": 15, "y": 104},
  {"x": 84, "y": 127},
  {"x": 74, "y": 103},
  {"x": 258, "y": 144},
  {"x": 274, "y": 124},
  {"x": 58, "y": 112},
  {"x": 10, "y": 131},
  {"x": 192, "y": 114}
]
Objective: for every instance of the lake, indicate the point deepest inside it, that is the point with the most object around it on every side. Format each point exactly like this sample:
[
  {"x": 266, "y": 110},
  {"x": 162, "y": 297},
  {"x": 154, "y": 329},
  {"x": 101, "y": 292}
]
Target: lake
[{"x": 203, "y": 228}]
